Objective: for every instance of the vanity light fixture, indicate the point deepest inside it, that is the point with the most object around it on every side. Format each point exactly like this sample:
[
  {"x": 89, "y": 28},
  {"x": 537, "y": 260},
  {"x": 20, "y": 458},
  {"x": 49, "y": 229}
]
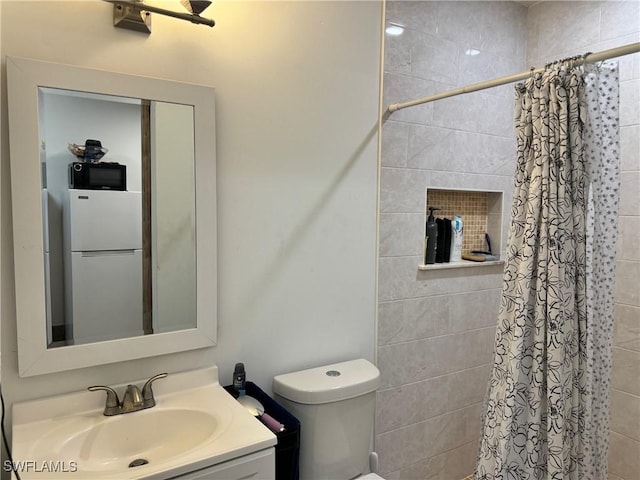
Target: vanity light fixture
[{"x": 135, "y": 15}]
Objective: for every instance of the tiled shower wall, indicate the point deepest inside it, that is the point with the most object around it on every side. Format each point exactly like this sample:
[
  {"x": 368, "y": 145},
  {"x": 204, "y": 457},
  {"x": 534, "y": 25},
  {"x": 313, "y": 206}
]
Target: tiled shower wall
[
  {"x": 561, "y": 29},
  {"x": 436, "y": 328}
]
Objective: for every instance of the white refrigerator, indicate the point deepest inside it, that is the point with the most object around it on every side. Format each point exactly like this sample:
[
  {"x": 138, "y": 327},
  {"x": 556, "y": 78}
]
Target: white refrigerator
[{"x": 103, "y": 265}]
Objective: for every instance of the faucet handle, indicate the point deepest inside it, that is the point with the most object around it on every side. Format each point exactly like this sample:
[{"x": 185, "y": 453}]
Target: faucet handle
[
  {"x": 147, "y": 391},
  {"x": 112, "y": 405}
]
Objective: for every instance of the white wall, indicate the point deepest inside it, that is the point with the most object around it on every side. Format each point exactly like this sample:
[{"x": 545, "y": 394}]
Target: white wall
[{"x": 297, "y": 103}]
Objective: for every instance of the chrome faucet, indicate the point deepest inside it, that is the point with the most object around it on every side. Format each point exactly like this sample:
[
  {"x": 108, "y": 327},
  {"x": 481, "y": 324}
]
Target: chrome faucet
[{"x": 132, "y": 401}]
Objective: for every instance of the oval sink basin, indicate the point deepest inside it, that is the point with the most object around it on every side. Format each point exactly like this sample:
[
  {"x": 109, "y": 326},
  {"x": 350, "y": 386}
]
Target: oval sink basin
[{"x": 112, "y": 443}]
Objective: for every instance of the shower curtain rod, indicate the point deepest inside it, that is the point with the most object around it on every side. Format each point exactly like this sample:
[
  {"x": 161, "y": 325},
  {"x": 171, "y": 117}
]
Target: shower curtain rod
[{"x": 474, "y": 87}]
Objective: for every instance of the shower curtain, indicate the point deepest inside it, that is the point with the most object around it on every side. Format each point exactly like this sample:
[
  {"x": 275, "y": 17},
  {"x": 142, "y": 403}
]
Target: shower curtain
[{"x": 547, "y": 409}]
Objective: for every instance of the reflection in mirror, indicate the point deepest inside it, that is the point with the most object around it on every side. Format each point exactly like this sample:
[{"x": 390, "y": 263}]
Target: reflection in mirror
[
  {"x": 175, "y": 168},
  {"x": 119, "y": 231}
]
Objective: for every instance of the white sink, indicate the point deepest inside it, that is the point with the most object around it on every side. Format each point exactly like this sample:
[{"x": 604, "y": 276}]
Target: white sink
[
  {"x": 112, "y": 443},
  {"x": 195, "y": 424}
]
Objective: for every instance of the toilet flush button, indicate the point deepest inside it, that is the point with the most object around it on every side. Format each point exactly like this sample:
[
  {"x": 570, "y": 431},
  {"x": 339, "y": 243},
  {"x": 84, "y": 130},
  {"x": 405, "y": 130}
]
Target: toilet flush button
[{"x": 333, "y": 373}]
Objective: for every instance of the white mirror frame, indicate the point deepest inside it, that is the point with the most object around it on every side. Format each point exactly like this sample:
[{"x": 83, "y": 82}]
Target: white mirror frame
[{"x": 24, "y": 77}]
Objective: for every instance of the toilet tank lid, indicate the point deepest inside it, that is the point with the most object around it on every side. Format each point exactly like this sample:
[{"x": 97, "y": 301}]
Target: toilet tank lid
[{"x": 330, "y": 383}]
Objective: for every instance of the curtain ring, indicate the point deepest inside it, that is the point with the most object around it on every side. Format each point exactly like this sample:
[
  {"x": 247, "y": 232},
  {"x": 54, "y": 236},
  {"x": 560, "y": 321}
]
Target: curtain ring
[{"x": 576, "y": 59}]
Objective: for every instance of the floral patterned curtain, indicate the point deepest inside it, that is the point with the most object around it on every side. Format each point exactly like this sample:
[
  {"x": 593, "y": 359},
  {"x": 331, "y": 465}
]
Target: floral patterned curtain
[{"x": 539, "y": 421}]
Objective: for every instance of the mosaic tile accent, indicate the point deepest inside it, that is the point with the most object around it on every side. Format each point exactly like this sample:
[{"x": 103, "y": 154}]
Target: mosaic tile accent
[{"x": 472, "y": 206}]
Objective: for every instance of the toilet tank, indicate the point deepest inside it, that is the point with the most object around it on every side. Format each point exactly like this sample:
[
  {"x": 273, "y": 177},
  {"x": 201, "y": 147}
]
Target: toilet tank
[{"x": 336, "y": 408}]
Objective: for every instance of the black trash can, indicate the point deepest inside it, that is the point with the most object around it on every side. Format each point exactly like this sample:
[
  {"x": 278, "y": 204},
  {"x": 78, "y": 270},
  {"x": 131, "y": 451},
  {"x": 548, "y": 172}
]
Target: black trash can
[{"x": 288, "y": 446}]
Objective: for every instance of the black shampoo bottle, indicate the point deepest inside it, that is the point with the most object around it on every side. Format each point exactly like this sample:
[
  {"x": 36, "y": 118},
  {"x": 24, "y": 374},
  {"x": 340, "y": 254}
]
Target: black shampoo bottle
[{"x": 431, "y": 238}]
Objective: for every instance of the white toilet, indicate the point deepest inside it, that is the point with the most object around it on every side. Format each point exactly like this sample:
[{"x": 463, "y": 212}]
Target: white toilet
[{"x": 336, "y": 408}]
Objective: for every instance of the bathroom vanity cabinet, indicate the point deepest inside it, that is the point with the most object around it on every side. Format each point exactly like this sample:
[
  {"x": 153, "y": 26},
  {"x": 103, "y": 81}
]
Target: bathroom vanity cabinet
[
  {"x": 257, "y": 466},
  {"x": 195, "y": 431}
]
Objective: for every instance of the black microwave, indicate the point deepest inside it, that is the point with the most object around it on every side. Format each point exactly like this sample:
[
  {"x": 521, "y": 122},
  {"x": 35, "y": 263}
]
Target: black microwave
[{"x": 97, "y": 176}]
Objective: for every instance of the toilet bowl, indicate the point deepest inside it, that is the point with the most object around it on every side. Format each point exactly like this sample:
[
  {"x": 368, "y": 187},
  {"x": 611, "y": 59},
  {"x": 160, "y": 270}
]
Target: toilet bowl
[{"x": 336, "y": 408}]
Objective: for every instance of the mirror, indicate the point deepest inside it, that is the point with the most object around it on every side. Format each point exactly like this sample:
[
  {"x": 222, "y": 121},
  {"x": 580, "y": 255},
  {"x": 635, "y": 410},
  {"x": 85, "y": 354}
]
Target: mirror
[
  {"x": 107, "y": 277},
  {"x": 117, "y": 236}
]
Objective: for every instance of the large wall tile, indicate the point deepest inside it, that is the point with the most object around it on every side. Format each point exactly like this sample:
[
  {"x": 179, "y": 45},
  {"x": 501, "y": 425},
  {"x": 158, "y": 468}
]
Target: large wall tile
[
  {"x": 629, "y": 193},
  {"x": 429, "y": 469},
  {"x": 624, "y": 460},
  {"x": 413, "y": 403},
  {"x": 476, "y": 112},
  {"x": 397, "y": 53},
  {"x": 453, "y": 429},
  {"x": 627, "y": 64},
  {"x": 460, "y": 22},
  {"x": 430, "y": 147},
  {"x": 626, "y": 371},
  {"x": 412, "y": 14},
  {"x": 619, "y": 18},
  {"x": 487, "y": 66},
  {"x": 402, "y": 234},
  {"x": 532, "y": 57},
  {"x": 434, "y": 58},
  {"x": 452, "y": 150},
  {"x": 626, "y": 325},
  {"x": 403, "y": 88},
  {"x": 403, "y": 191},
  {"x": 395, "y": 137},
  {"x": 413, "y": 319},
  {"x": 400, "y": 278},
  {"x": 424, "y": 317},
  {"x": 402, "y": 447},
  {"x": 502, "y": 27},
  {"x": 468, "y": 387},
  {"x": 630, "y": 102},
  {"x": 472, "y": 348},
  {"x": 473, "y": 310},
  {"x": 630, "y": 148},
  {"x": 566, "y": 27},
  {"x": 460, "y": 462},
  {"x": 627, "y": 290},
  {"x": 625, "y": 414},
  {"x": 419, "y": 360},
  {"x": 410, "y": 362},
  {"x": 629, "y": 238}
]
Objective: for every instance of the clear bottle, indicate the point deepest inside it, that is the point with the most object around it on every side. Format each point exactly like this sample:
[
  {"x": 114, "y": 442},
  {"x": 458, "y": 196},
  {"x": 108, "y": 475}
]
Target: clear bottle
[{"x": 456, "y": 239}]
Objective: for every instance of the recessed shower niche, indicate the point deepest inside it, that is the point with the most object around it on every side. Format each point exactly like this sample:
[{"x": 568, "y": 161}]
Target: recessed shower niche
[{"x": 481, "y": 212}]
